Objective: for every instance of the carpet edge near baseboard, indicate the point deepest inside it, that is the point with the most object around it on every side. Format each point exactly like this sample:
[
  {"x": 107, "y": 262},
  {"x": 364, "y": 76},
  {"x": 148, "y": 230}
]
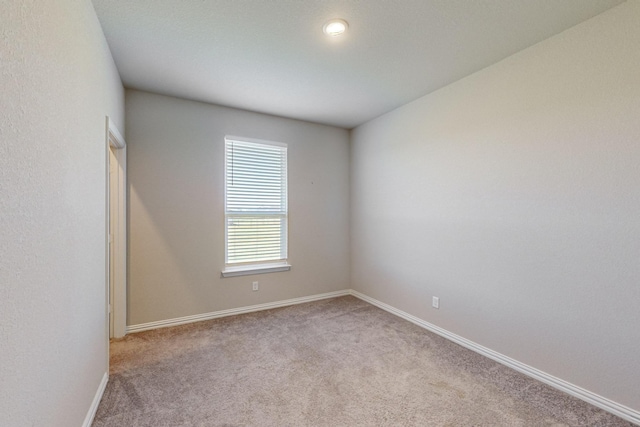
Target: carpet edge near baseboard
[
  {"x": 608, "y": 405},
  {"x": 233, "y": 311}
]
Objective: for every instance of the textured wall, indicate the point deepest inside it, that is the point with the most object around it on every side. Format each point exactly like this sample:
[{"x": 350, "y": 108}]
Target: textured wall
[
  {"x": 58, "y": 82},
  {"x": 513, "y": 195},
  {"x": 176, "y": 212}
]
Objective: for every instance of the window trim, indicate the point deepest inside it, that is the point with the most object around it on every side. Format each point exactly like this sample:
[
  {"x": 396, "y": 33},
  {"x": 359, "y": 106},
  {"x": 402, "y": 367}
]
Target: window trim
[
  {"x": 249, "y": 269},
  {"x": 259, "y": 267}
]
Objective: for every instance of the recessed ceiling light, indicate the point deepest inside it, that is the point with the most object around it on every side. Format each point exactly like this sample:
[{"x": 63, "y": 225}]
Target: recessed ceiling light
[{"x": 335, "y": 27}]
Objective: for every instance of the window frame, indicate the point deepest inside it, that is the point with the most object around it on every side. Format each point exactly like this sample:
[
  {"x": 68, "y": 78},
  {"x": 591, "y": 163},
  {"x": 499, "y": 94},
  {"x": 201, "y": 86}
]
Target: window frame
[{"x": 256, "y": 267}]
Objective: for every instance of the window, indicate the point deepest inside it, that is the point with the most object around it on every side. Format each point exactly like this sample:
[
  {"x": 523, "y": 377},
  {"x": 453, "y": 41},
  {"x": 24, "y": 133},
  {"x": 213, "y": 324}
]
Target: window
[{"x": 255, "y": 207}]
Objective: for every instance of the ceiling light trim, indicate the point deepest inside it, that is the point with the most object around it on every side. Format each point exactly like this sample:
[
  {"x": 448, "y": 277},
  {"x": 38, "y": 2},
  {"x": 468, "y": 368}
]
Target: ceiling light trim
[{"x": 335, "y": 27}]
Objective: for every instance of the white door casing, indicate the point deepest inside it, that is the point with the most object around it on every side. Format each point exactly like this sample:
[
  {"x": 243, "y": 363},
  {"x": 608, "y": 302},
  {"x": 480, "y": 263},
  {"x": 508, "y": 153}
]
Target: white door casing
[{"x": 116, "y": 274}]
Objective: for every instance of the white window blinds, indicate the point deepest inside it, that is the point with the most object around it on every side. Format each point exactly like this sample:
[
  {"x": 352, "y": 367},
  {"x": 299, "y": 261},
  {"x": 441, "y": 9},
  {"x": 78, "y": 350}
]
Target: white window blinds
[{"x": 255, "y": 202}]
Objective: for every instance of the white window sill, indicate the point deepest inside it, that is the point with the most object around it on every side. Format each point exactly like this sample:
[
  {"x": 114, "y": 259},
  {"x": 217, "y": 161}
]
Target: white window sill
[{"x": 246, "y": 270}]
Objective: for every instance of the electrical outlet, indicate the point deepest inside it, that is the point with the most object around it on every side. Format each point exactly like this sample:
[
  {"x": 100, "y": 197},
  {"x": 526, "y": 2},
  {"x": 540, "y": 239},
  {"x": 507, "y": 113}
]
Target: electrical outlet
[
  {"x": 435, "y": 302},
  {"x": 255, "y": 286}
]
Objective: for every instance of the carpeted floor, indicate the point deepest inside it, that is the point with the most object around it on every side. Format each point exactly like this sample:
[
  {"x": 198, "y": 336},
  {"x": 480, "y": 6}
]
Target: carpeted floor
[{"x": 337, "y": 362}]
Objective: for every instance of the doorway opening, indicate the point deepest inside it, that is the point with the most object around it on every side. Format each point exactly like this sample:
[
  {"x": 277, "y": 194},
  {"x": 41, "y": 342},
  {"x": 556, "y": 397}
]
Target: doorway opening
[{"x": 116, "y": 232}]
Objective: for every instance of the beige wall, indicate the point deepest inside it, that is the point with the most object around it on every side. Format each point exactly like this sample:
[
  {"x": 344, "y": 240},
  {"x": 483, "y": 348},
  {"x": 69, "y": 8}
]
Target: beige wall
[
  {"x": 513, "y": 195},
  {"x": 176, "y": 212},
  {"x": 58, "y": 82}
]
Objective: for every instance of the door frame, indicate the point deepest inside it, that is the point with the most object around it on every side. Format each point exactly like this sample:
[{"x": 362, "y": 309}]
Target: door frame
[{"x": 116, "y": 298}]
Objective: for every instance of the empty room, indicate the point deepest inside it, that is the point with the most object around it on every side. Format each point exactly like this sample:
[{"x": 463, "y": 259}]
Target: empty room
[{"x": 319, "y": 213}]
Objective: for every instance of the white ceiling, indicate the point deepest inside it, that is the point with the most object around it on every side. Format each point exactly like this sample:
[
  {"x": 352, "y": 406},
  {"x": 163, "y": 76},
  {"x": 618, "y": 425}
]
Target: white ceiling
[{"x": 271, "y": 56}]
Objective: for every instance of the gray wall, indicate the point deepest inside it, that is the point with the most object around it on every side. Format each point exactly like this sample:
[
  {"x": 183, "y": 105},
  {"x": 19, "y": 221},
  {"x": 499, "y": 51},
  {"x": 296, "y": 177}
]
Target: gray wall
[
  {"x": 176, "y": 212},
  {"x": 58, "y": 82},
  {"x": 514, "y": 196}
]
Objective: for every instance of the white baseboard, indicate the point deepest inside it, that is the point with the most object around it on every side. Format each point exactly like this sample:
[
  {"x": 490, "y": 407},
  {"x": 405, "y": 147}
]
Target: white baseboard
[
  {"x": 96, "y": 401},
  {"x": 562, "y": 385},
  {"x": 233, "y": 311}
]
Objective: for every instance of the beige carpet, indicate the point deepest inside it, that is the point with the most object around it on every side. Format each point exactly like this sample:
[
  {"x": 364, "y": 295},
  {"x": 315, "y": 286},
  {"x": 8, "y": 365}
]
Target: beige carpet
[{"x": 338, "y": 362}]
